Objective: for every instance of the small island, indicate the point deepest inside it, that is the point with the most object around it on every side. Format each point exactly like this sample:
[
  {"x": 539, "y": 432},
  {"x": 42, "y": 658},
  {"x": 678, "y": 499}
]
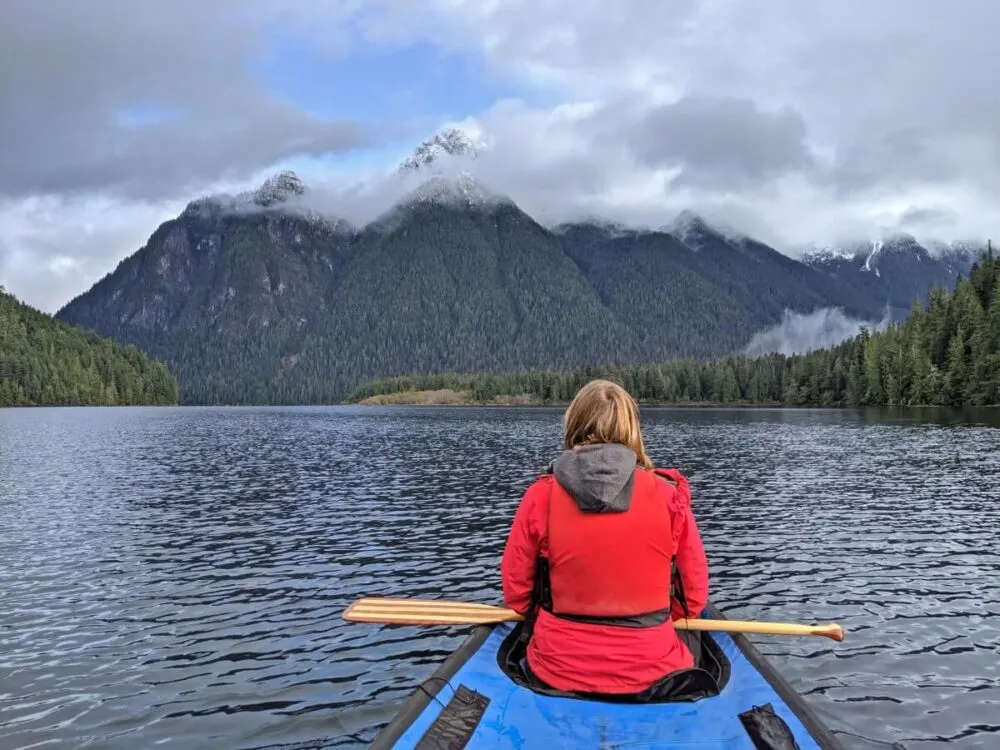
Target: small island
[{"x": 448, "y": 397}]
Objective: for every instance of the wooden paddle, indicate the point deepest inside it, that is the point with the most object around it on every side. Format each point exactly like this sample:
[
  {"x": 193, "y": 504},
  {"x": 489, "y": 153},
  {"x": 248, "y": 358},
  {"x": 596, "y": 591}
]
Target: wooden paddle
[{"x": 439, "y": 612}]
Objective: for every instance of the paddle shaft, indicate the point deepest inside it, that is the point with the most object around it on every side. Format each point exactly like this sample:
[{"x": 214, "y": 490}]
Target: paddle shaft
[{"x": 400, "y": 611}]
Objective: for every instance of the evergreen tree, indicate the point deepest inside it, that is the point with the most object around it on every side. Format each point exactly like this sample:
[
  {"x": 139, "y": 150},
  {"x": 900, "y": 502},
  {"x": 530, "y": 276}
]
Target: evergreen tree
[
  {"x": 45, "y": 362},
  {"x": 946, "y": 354}
]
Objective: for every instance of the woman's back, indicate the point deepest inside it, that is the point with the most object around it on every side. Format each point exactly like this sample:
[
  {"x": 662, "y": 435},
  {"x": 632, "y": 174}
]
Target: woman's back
[{"x": 607, "y": 529}]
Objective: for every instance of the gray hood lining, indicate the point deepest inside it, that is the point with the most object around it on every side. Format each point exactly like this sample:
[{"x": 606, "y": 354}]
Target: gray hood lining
[{"x": 598, "y": 477}]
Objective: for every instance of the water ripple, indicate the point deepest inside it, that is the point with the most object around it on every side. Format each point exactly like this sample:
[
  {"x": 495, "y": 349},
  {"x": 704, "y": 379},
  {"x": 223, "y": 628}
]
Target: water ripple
[{"x": 175, "y": 577}]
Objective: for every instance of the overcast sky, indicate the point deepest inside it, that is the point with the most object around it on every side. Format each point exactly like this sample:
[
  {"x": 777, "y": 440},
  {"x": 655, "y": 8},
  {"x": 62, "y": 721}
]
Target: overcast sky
[{"x": 794, "y": 121}]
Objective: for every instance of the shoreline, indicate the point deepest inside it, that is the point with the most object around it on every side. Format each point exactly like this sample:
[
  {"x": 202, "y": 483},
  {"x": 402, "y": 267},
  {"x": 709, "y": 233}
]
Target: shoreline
[
  {"x": 449, "y": 397},
  {"x": 708, "y": 405}
]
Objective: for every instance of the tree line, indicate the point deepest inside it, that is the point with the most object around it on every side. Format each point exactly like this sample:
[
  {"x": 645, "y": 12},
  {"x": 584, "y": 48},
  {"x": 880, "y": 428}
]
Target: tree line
[
  {"x": 45, "y": 362},
  {"x": 276, "y": 309},
  {"x": 947, "y": 353}
]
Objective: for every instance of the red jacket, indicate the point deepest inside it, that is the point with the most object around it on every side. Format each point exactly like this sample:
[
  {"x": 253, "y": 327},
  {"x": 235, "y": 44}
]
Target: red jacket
[{"x": 600, "y": 658}]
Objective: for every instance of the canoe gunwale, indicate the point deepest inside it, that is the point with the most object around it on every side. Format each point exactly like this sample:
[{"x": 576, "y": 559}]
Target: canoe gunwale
[
  {"x": 428, "y": 690},
  {"x": 819, "y": 731}
]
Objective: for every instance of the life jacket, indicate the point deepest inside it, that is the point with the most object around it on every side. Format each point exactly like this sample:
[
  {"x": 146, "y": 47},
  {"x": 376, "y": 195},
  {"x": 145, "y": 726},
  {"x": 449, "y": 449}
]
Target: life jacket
[{"x": 611, "y": 568}]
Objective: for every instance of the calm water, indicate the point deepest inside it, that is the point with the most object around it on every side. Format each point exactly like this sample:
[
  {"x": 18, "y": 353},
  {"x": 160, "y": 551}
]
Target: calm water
[{"x": 174, "y": 577}]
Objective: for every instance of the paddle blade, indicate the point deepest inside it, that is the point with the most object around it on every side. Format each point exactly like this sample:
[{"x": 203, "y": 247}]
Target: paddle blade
[
  {"x": 832, "y": 631},
  {"x": 426, "y": 612}
]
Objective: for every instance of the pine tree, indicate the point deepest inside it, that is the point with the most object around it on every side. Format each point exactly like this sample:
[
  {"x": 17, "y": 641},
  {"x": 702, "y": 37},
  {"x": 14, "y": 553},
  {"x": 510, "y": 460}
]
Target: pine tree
[
  {"x": 44, "y": 361},
  {"x": 947, "y": 353}
]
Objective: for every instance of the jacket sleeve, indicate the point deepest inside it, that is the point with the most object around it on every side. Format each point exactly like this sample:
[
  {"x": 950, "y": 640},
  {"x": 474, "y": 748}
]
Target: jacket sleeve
[
  {"x": 517, "y": 568},
  {"x": 692, "y": 566}
]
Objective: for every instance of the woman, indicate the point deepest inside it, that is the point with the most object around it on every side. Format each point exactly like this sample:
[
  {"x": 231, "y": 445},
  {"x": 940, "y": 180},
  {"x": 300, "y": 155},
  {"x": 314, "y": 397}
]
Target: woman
[{"x": 607, "y": 527}]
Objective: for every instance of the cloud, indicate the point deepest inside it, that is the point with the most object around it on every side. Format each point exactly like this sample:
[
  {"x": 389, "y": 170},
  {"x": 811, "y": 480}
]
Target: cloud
[
  {"x": 795, "y": 122},
  {"x": 144, "y": 101},
  {"x": 116, "y": 112},
  {"x": 918, "y": 219},
  {"x": 884, "y": 104},
  {"x": 576, "y": 46},
  {"x": 801, "y": 333},
  {"x": 54, "y": 248},
  {"x": 722, "y": 143}
]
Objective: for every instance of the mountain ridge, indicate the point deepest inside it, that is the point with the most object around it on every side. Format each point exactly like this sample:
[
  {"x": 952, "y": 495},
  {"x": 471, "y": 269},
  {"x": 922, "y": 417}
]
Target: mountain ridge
[
  {"x": 260, "y": 298},
  {"x": 450, "y": 155}
]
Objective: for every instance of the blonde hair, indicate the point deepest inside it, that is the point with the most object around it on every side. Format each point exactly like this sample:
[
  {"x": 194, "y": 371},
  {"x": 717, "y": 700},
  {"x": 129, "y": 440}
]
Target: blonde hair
[{"x": 604, "y": 412}]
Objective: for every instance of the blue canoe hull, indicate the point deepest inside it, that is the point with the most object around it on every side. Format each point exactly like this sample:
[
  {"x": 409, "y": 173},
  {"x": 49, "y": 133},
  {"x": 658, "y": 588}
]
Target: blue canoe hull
[{"x": 518, "y": 718}]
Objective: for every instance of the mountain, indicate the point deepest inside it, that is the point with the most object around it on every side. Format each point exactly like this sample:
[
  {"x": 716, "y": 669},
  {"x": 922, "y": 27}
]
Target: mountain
[
  {"x": 696, "y": 291},
  {"x": 945, "y": 355},
  {"x": 896, "y": 271},
  {"x": 450, "y": 142},
  {"x": 45, "y": 362},
  {"x": 272, "y": 306},
  {"x": 256, "y": 298}
]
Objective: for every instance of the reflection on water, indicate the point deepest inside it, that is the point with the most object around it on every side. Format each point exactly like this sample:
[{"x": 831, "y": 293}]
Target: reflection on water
[{"x": 176, "y": 576}]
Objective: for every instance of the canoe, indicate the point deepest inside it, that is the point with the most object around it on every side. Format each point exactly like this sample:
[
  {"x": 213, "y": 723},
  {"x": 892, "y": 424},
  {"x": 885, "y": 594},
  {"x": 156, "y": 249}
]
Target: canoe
[{"x": 471, "y": 702}]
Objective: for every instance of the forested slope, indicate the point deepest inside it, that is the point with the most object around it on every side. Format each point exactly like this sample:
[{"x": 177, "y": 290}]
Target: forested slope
[
  {"x": 258, "y": 299},
  {"x": 946, "y": 353},
  {"x": 45, "y": 362}
]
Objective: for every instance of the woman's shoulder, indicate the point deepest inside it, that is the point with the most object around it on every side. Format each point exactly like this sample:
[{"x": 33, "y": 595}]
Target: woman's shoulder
[
  {"x": 671, "y": 476},
  {"x": 541, "y": 483},
  {"x": 677, "y": 483},
  {"x": 533, "y": 510}
]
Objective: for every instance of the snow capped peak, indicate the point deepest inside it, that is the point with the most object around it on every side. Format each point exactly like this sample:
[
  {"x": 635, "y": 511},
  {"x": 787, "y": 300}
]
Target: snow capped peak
[
  {"x": 967, "y": 247},
  {"x": 958, "y": 246},
  {"x": 959, "y": 254},
  {"x": 826, "y": 253},
  {"x": 867, "y": 255},
  {"x": 896, "y": 244},
  {"x": 439, "y": 167},
  {"x": 450, "y": 142},
  {"x": 278, "y": 188},
  {"x": 901, "y": 242},
  {"x": 283, "y": 193},
  {"x": 463, "y": 190}
]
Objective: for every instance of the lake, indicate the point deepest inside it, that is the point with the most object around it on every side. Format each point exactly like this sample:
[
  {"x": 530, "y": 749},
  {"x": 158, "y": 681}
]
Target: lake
[{"x": 175, "y": 576}]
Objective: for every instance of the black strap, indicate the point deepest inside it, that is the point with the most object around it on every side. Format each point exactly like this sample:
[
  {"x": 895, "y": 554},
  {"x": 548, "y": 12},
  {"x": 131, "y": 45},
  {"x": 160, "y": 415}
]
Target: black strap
[
  {"x": 767, "y": 730},
  {"x": 644, "y": 620},
  {"x": 541, "y": 596},
  {"x": 542, "y": 599},
  {"x": 675, "y": 577},
  {"x": 457, "y": 722}
]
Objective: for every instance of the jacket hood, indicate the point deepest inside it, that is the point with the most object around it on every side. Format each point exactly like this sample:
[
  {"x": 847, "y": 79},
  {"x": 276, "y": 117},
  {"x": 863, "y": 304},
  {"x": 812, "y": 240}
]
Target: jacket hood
[{"x": 598, "y": 477}]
